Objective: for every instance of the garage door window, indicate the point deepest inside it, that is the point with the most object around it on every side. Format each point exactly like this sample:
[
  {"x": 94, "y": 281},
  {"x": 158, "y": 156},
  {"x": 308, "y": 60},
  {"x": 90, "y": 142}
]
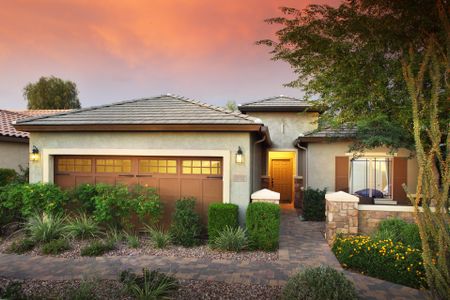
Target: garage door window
[
  {"x": 159, "y": 166},
  {"x": 74, "y": 165},
  {"x": 205, "y": 167},
  {"x": 113, "y": 165}
]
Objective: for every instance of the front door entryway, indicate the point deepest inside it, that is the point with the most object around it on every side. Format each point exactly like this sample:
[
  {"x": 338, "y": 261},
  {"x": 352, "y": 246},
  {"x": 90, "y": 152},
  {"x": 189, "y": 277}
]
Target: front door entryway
[{"x": 281, "y": 176}]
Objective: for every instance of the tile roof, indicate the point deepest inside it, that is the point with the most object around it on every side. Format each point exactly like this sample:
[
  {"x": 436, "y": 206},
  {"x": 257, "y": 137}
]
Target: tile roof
[
  {"x": 6, "y": 128},
  {"x": 160, "y": 110},
  {"x": 7, "y": 117},
  {"x": 343, "y": 132},
  {"x": 278, "y": 103}
]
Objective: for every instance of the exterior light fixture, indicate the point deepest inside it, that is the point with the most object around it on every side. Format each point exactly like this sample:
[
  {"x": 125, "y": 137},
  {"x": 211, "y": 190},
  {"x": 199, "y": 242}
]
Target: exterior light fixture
[
  {"x": 239, "y": 156},
  {"x": 34, "y": 155}
]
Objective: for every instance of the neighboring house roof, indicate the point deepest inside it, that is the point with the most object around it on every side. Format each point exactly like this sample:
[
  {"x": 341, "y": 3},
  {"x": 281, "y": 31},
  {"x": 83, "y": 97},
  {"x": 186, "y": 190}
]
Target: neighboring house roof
[
  {"x": 279, "y": 103},
  {"x": 41, "y": 112},
  {"x": 141, "y": 114},
  {"x": 343, "y": 132},
  {"x": 7, "y": 117}
]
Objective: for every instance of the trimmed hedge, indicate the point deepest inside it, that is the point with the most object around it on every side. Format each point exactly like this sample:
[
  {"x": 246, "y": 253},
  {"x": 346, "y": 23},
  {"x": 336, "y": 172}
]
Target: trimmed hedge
[
  {"x": 221, "y": 215},
  {"x": 186, "y": 228},
  {"x": 263, "y": 225},
  {"x": 314, "y": 204},
  {"x": 384, "y": 259},
  {"x": 7, "y": 176}
]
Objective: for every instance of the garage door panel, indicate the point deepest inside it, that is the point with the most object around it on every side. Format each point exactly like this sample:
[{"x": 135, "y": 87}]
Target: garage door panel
[
  {"x": 65, "y": 181},
  {"x": 193, "y": 188},
  {"x": 79, "y": 180},
  {"x": 105, "y": 180}
]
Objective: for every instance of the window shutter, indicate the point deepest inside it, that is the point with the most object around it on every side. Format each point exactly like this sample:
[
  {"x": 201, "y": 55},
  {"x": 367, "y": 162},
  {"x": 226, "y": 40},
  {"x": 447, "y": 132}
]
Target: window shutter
[
  {"x": 400, "y": 169},
  {"x": 341, "y": 174}
]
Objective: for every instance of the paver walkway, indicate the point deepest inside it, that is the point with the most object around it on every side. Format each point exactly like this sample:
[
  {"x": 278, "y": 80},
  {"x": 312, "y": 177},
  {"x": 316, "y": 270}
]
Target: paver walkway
[{"x": 301, "y": 244}]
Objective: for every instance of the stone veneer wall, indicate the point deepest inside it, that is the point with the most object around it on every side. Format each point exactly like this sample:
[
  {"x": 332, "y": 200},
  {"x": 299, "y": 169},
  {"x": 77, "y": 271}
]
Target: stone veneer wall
[
  {"x": 341, "y": 215},
  {"x": 371, "y": 215}
]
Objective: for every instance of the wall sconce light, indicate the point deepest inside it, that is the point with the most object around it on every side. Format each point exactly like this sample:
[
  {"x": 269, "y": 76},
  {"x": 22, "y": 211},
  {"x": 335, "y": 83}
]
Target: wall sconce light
[
  {"x": 34, "y": 155},
  {"x": 239, "y": 156}
]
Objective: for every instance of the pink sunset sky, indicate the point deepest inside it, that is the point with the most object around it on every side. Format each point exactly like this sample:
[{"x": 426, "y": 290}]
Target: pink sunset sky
[{"x": 119, "y": 50}]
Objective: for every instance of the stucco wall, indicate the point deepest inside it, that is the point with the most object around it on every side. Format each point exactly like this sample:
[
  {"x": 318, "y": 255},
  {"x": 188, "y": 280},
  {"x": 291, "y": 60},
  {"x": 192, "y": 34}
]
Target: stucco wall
[
  {"x": 13, "y": 155},
  {"x": 321, "y": 164},
  {"x": 240, "y": 179},
  {"x": 285, "y": 127}
]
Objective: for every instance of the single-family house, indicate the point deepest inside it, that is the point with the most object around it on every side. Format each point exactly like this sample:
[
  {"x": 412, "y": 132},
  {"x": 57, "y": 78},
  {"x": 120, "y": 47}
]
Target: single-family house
[{"x": 184, "y": 147}]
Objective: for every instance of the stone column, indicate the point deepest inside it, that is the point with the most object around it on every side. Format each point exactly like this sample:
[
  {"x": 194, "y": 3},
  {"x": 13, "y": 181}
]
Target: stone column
[
  {"x": 265, "y": 182},
  {"x": 342, "y": 215},
  {"x": 298, "y": 192}
]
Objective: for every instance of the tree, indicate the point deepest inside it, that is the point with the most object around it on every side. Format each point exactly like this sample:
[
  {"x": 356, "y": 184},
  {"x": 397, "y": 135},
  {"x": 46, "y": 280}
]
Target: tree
[
  {"x": 349, "y": 57},
  {"x": 51, "y": 93},
  {"x": 231, "y": 105},
  {"x": 383, "y": 66}
]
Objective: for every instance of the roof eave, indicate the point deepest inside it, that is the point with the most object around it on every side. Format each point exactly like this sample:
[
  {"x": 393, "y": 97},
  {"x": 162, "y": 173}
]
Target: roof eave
[
  {"x": 139, "y": 127},
  {"x": 13, "y": 139},
  {"x": 246, "y": 109},
  {"x": 329, "y": 139}
]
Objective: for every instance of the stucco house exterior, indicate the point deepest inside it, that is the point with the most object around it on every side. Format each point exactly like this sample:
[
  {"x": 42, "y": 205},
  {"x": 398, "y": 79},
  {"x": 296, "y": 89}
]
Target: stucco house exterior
[
  {"x": 14, "y": 147},
  {"x": 184, "y": 147}
]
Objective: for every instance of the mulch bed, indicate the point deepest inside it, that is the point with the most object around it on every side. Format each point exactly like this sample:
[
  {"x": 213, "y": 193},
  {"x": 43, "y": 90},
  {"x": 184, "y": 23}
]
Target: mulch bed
[
  {"x": 145, "y": 248},
  {"x": 112, "y": 289}
]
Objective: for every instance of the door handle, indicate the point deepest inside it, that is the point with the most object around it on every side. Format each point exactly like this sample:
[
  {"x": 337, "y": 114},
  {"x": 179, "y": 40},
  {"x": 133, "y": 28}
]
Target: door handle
[
  {"x": 126, "y": 175},
  {"x": 140, "y": 175}
]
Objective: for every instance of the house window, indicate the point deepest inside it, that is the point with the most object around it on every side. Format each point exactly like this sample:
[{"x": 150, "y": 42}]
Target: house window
[
  {"x": 113, "y": 165},
  {"x": 160, "y": 166},
  {"x": 371, "y": 177},
  {"x": 205, "y": 167},
  {"x": 74, "y": 165}
]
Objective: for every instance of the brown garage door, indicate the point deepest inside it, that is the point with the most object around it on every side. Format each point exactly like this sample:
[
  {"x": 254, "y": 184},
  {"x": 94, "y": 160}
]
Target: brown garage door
[{"x": 173, "y": 177}]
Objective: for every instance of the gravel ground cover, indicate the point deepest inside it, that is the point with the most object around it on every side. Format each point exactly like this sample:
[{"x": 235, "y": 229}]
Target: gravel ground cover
[
  {"x": 111, "y": 289},
  {"x": 122, "y": 249}
]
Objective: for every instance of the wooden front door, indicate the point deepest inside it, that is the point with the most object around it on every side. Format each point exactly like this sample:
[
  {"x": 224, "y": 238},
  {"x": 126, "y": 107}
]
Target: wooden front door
[{"x": 281, "y": 174}]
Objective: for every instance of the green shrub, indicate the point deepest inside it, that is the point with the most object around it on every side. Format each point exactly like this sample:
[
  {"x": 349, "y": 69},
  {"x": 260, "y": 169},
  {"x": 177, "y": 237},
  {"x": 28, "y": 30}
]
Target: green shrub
[
  {"x": 399, "y": 231},
  {"x": 21, "y": 246},
  {"x": 383, "y": 259},
  {"x": 158, "y": 237},
  {"x": 83, "y": 197},
  {"x": 231, "y": 239},
  {"x": 97, "y": 248},
  {"x": 114, "y": 235},
  {"x": 82, "y": 227},
  {"x": 112, "y": 206},
  {"x": 44, "y": 228},
  {"x": 13, "y": 291},
  {"x": 185, "y": 228},
  {"x": 151, "y": 285},
  {"x": 55, "y": 246},
  {"x": 263, "y": 225},
  {"x": 10, "y": 204},
  {"x": 146, "y": 204},
  {"x": 28, "y": 199},
  {"x": 7, "y": 176},
  {"x": 221, "y": 215},
  {"x": 321, "y": 283},
  {"x": 314, "y": 204}
]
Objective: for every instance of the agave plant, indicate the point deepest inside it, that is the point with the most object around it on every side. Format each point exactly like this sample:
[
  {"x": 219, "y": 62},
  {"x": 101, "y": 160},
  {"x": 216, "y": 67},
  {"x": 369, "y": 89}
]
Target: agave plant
[
  {"x": 231, "y": 239},
  {"x": 46, "y": 227},
  {"x": 83, "y": 227},
  {"x": 158, "y": 237}
]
